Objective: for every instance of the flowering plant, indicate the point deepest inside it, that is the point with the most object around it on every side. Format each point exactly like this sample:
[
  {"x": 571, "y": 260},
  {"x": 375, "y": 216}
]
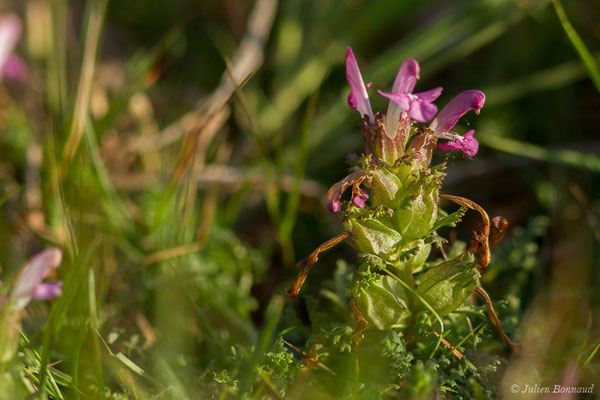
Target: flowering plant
[
  {"x": 28, "y": 286},
  {"x": 394, "y": 222}
]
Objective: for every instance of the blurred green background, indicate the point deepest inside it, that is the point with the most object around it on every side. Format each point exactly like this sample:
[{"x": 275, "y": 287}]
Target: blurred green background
[{"x": 183, "y": 202}]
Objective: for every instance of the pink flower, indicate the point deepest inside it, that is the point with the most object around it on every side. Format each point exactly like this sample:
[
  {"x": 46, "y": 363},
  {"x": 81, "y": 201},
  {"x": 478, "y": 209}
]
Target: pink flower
[
  {"x": 359, "y": 196},
  {"x": 449, "y": 116},
  {"x": 466, "y": 143},
  {"x": 29, "y": 284},
  {"x": 11, "y": 66},
  {"x": 358, "y": 99},
  {"x": 419, "y": 106}
]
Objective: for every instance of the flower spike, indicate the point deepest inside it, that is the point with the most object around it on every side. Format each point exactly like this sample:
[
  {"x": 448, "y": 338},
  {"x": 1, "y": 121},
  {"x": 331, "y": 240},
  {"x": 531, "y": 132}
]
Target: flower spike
[{"x": 358, "y": 99}]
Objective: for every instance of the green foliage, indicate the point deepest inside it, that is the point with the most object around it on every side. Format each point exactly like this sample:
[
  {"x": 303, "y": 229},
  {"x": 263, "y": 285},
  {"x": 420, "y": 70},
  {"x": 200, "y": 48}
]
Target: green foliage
[
  {"x": 381, "y": 299},
  {"x": 180, "y": 224},
  {"x": 447, "y": 285}
]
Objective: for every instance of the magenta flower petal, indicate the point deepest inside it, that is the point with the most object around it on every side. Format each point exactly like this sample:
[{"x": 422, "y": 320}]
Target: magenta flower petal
[
  {"x": 455, "y": 144},
  {"x": 10, "y": 32},
  {"x": 407, "y": 76},
  {"x": 401, "y": 99},
  {"x": 466, "y": 143},
  {"x": 358, "y": 98},
  {"x": 459, "y": 106},
  {"x": 405, "y": 82},
  {"x": 46, "y": 291},
  {"x": 417, "y": 105},
  {"x": 421, "y": 111},
  {"x": 33, "y": 274},
  {"x": 470, "y": 144},
  {"x": 360, "y": 199},
  {"x": 430, "y": 95},
  {"x": 14, "y": 68}
]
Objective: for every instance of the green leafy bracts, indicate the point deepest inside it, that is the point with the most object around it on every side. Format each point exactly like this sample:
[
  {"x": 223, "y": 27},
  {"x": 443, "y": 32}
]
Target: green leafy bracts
[{"x": 394, "y": 210}]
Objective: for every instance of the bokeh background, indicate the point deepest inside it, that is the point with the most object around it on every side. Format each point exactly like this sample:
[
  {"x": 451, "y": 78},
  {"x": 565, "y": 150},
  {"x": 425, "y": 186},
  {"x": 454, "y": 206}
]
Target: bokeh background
[{"x": 183, "y": 201}]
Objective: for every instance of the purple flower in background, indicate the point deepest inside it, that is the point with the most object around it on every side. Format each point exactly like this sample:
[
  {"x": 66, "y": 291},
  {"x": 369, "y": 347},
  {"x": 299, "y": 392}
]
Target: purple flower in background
[
  {"x": 29, "y": 285},
  {"x": 449, "y": 116},
  {"x": 11, "y": 66}
]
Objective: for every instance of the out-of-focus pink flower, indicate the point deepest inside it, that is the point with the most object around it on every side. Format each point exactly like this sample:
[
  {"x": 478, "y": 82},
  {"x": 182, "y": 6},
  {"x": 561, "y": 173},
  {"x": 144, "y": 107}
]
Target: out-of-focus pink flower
[
  {"x": 419, "y": 106},
  {"x": 449, "y": 116},
  {"x": 14, "y": 69},
  {"x": 11, "y": 66},
  {"x": 29, "y": 284}
]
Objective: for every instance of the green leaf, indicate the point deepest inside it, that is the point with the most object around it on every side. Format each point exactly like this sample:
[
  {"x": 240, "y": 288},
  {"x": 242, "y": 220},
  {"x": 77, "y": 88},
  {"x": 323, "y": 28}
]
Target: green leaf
[
  {"x": 449, "y": 219},
  {"x": 382, "y": 301},
  {"x": 446, "y": 286}
]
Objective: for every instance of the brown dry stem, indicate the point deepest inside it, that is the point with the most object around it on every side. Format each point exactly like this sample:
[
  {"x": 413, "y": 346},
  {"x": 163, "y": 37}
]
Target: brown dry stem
[
  {"x": 309, "y": 359},
  {"x": 446, "y": 343},
  {"x": 306, "y": 265},
  {"x": 481, "y": 236},
  {"x": 515, "y": 347},
  {"x": 361, "y": 324}
]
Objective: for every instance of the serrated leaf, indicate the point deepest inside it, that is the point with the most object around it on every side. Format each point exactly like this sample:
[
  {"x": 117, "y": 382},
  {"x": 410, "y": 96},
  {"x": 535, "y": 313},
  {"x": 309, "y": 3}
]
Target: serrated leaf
[{"x": 449, "y": 220}]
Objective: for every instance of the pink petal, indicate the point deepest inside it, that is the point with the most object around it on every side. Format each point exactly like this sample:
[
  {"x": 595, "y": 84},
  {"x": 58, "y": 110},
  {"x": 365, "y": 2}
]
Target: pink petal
[
  {"x": 407, "y": 76},
  {"x": 15, "y": 68},
  {"x": 430, "y": 95},
  {"x": 467, "y": 144},
  {"x": 33, "y": 274},
  {"x": 470, "y": 144},
  {"x": 421, "y": 111},
  {"x": 10, "y": 32},
  {"x": 360, "y": 199},
  {"x": 46, "y": 291},
  {"x": 452, "y": 145},
  {"x": 405, "y": 82},
  {"x": 459, "y": 106},
  {"x": 400, "y": 98},
  {"x": 358, "y": 98}
]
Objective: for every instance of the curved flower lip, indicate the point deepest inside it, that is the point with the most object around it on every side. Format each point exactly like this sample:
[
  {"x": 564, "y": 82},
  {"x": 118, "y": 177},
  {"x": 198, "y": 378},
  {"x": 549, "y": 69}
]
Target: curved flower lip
[
  {"x": 334, "y": 194},
  {"x": 358, "y": 98},
  {"x": 459, "y": 106},
  {"x": 418, "y": 105},
  {"x": 467, "y": 144},
  {"x": 407, "y": 76},
  {"x": 32, "y": 275},
  {"x": 10, "y": 32}
]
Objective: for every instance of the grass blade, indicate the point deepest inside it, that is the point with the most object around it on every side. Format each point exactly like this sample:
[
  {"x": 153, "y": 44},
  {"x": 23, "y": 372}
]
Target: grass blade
[{"x": 580, "y": 47}]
